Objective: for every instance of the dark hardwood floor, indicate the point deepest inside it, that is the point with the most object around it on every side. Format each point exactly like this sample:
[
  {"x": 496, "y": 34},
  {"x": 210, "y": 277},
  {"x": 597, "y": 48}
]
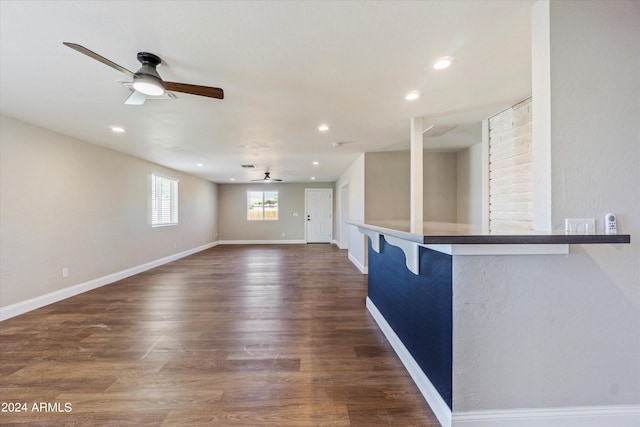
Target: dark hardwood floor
[{"x": 234, "y": 335}]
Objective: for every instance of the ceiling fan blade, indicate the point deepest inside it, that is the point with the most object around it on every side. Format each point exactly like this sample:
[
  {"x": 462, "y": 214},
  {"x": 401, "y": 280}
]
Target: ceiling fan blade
[
  {"x": 211, "y": 92},
  {"x": 136, "y": 98},
  {"x": 99, "y": 58},
  {"x": 275, "y": 179}
]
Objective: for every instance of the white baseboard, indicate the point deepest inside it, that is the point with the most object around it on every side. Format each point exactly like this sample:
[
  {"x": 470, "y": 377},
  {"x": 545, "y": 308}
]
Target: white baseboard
[
  {"x": 429, "y": 392},
  {"x": 339, "y": 244},
  {"x": 46, "y": 299},
  {"x": 587, "y": 416},
  {"x": 362, "y": 268},
  {"x": 262, "y": 242}
]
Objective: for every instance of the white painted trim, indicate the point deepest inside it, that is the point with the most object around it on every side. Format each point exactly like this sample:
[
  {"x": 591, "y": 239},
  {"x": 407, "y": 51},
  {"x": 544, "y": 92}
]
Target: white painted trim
[
  {"x": 429, "y": 392},
  {"x": 492, "y": 249},
  {"x": 374, "y": 236},
  {"x": 411, "y": 252},
  {"x": 61, "y": 294},
  {"x": 337, "y": 243},
  {"x": 362, "y": 268},
  {"x": 262, "y": 242},
  {"x": 588, "y": 416}
]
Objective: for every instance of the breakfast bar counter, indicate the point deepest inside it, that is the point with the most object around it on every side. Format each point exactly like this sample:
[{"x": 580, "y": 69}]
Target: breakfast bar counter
[{"x": 458, "y": 305}]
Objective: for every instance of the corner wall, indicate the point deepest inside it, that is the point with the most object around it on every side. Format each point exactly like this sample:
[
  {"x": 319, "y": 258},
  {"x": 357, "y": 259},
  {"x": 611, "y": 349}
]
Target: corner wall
[
  {"x": 67, "y": 203},
  {"x": 352, "y": 180}
]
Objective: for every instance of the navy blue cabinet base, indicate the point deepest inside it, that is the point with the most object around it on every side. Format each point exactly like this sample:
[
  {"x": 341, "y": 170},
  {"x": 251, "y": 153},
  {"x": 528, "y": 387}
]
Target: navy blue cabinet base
[{"x": 417, "y": 307}]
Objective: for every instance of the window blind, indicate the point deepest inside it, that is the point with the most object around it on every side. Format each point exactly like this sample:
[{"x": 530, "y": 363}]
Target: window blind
[
  {"x": 510, "y": 169},
  {"x": 164, "y": 201}
]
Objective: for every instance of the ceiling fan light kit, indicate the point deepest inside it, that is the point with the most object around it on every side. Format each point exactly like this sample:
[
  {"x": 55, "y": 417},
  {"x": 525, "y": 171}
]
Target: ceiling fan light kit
[{"x": 148, "y": 85}]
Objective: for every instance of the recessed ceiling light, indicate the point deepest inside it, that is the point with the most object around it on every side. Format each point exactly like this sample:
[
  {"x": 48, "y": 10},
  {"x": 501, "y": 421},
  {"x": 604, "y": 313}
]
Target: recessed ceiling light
[
  {"x": 316, "y": 163},
  {"x": 443, "y": 63},
  {"x": 200, "y": 165},
  {"x": 313, "y": 178},
  {"x": 412, "y": 95},
  {"x": 323, "y": 127},
  {"x": 232, "y": 179},
  {"x": 117, "y": 129}
]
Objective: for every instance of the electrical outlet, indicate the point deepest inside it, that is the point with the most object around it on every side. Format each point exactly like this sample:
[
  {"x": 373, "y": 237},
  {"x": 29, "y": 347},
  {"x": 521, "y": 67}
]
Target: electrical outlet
[{"x": 65, "y": 272}]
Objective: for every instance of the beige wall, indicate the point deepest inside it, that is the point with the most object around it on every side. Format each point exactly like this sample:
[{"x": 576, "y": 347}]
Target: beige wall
[
  {"x": 387, "y": 185},
  {"x": 469, "y": 185},
  {"x": 234, "y": 225},
  {"x": 439, "y": 187},
  {"x": 67, "y": 203}
]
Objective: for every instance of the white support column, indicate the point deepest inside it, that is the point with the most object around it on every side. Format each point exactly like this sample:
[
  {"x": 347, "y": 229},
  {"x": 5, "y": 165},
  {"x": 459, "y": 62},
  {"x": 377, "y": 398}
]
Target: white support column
[
  {"x": 541, "y": 123},
  {"x": 416, "y": 176},
  {"x": 485, "y": 176}
]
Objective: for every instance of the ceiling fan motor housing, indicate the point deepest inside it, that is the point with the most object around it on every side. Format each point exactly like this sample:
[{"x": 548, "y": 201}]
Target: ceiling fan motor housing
[
  {"x": 149, "y": 63},
  {"x": 149, "y": 58},
  {"x": 147, "y": 76}
]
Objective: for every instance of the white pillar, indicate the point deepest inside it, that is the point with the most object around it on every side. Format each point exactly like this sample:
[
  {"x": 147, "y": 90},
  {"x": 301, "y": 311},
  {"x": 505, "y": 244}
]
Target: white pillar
[
  {"x": 485, "y": 176},
  {"x": 416, "y": 176},
  {"x": 541, "y": 114}
]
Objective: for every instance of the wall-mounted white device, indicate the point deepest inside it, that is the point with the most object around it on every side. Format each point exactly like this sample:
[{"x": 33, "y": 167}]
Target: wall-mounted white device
[{"x": 610, "y": 226}]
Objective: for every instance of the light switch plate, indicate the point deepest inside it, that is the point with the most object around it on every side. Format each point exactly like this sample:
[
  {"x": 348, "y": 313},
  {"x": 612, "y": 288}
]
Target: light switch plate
[{"x": 580, "y": 225}]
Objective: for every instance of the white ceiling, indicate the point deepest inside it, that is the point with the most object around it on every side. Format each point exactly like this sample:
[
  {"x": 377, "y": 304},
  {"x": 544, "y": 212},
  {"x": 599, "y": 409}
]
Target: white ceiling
[{"x": 285, "y": 67}]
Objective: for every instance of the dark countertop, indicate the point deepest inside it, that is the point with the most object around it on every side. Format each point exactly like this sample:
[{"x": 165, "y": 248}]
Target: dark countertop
[{"x": 437, "y": 233}]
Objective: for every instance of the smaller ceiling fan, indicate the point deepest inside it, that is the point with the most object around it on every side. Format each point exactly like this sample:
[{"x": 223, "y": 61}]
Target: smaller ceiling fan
[
  {"x": 267, "y": 178},
  {"x": 146, "y": 80}
]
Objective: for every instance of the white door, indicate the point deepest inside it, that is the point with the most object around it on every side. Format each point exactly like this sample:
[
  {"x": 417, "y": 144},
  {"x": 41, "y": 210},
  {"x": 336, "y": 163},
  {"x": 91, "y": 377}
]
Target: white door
[{"x": 318, "y": 209}]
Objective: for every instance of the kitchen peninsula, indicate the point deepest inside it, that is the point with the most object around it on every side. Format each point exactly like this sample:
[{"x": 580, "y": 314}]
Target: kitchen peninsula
[{"x": 463, "y": 309}]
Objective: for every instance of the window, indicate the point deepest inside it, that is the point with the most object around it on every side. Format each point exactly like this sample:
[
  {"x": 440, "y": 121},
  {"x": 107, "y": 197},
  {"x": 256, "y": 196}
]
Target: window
[
  {"x": 262, "y": 205},
  {"x": 164, "y": 201}
]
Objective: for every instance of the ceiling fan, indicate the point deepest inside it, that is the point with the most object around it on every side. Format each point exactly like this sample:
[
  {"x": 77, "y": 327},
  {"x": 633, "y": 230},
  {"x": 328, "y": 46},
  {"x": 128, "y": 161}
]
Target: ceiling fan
[
  {"x": 147, "y": 81},
  {"x": 267, "y": 178}
]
